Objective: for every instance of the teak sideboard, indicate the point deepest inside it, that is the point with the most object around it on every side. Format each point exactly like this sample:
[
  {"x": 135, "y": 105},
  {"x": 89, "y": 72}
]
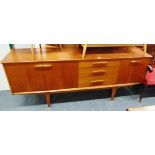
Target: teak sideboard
[{"x": 47, "y": 71}]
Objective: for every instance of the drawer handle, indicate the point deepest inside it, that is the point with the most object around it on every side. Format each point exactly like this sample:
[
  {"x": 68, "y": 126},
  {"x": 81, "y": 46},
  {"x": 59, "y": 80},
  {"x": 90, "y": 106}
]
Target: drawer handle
[
  {"x": 100, "y": 63},
  {"x": 97, "y": 81},
  {"x": 43, "y": 66},
  {"x": 98, "y": 72},
  {"x": 135, "y": 62}
]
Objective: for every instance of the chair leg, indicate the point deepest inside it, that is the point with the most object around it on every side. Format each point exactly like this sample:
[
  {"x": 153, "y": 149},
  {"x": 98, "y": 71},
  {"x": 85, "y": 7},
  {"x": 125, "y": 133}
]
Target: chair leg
[
  {"x": 40, "y": 46},
  {"x": 142, "y": 93}
]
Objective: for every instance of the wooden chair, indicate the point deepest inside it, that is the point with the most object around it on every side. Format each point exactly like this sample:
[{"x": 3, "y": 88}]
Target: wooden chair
[
  {"x": 57, "y": 46},
  {"x": 144, "y": 46},
  {"x": 149, "y": 80}
]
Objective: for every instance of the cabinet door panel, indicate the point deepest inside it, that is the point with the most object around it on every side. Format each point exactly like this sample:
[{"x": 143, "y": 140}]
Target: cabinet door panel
[
  {"x": 25, "y": 77},
  {"x": 132, "y": 71},
  {"x": 61, "y": 75}
]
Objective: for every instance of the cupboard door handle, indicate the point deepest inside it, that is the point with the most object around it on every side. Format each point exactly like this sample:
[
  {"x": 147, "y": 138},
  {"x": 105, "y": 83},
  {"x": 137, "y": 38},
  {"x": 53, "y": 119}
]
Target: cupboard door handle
[
  {"x": 47, "y": 66},
  {"x": 98, "y": 72},
  {"x": 38, "y": 66},
  {"x": 100, "y": 63},
  {"x": 43, "y": 66},
  {"x": 135, "y": 62},
  {"x": 97, "y": 81}
]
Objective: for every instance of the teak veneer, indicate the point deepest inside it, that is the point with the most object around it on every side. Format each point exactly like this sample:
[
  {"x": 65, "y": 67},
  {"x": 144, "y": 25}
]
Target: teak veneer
[{"x": 47, "y": 71}]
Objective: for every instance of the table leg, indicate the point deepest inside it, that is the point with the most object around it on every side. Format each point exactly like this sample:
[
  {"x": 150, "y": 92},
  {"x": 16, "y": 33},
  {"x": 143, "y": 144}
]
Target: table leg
[{"x": 84, "y": 50}]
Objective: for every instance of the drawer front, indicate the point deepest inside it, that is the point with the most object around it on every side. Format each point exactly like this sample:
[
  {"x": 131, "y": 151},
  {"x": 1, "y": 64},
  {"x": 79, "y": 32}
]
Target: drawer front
[
  {"x": 97, "y": 76},
  {"x": 98, "y": 64},
  {"x": 96, "y": 81},
  {"x": 102, "y": 71}
]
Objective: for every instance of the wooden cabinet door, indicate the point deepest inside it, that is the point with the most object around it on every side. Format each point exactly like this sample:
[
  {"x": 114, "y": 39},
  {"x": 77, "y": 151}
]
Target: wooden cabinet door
[
  {"x": 132, "y": 71},
  {"x": 61, "y": 75},
  {"x": 25, "y": 77}
]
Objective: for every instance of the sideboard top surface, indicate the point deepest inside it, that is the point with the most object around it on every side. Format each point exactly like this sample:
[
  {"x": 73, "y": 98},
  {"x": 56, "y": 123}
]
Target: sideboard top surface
[{"x": 72, "y": 54}]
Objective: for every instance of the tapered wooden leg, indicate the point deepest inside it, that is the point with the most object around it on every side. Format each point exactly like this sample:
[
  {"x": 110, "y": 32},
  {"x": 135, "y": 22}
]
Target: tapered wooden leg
[
  {"x": 84, "y": 50},
  {"x": 48, "y": 99},
  {"x": 113, "y": 93},
  {"x": 57, "y": 47},
  {"x": 60, "y": 46}
]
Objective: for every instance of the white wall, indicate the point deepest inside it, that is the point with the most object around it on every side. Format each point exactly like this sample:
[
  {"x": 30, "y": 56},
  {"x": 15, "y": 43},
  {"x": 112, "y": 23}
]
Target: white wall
[
  {"x": 22, "y": 46},
  {"x": 4, "y": 49}
]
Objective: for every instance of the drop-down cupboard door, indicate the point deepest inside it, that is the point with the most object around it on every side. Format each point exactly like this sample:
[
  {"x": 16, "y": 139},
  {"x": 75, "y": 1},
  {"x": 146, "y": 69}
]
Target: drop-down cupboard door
[
  {"x": 61, "y": 75},
  {"x": 25, "y": 77},
  {"x": 132, "y": 71}
]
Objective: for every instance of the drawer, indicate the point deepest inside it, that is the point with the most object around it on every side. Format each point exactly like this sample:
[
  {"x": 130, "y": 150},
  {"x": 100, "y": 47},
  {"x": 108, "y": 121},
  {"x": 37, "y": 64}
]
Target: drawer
[
  {"x": 99, "y": 63},
  {"x": 101, "y": 71},
  {"x": 97, "y": 81}
]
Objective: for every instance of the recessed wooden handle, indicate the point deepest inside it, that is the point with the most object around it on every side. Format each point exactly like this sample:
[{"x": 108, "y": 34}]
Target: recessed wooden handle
[
  {"x": 100, "y": 63},
  {"x": 43, "y": 66},
  {"x": 135, "y": 62},
  {"x": 98, "y": 72},
  {"x": 97, "y": 81},
  {"x": 47, "y": 65},
  {"x": 38, "y": 66}
]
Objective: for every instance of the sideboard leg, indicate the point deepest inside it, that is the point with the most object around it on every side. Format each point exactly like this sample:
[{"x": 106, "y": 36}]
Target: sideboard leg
[
  {"x": 48, "y": 99},
  {"x": 113, "y": 93}
]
